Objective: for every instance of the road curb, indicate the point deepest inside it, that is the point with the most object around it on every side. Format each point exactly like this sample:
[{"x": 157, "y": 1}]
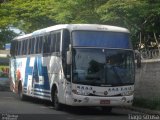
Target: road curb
[{"x": 143, "y": 110}]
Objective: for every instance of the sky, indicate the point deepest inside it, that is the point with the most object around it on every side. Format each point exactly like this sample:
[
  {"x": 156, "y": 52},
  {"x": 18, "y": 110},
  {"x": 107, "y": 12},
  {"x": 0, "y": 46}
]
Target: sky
[{"x": 16, "y": 30}]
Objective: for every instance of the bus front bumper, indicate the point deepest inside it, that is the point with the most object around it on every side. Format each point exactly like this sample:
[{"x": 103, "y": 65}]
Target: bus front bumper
[{"x": 80, "y": 100}]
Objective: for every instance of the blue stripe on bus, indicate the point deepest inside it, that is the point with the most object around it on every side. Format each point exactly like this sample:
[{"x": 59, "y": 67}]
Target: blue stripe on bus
[
  {"x": 42, "y": 91},
  {"x": 25, "y": 91},
  {"x": 24, "y": 88},
  {"x": 28, "y": 71},
  {"x": 36, "y": 71},
  {"x": 41, "y": 95}
]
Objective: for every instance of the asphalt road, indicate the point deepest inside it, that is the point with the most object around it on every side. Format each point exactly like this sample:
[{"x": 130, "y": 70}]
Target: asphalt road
[{"x": 11, "y": 107}]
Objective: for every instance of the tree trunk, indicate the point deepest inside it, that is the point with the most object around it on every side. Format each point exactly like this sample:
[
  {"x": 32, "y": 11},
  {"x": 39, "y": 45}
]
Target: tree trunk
[{"x": 156, "y": 41}]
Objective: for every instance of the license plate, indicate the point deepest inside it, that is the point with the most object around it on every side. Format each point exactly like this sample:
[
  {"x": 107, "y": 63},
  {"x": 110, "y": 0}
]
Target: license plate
[{"x": 104, "y": 101}]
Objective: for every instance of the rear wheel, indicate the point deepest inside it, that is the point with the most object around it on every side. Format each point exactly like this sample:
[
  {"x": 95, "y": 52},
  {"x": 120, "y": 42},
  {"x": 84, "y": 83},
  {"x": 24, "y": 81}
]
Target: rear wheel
[
  {"x": 57, "y": 105},
  {"x": 20, "y": 92}
]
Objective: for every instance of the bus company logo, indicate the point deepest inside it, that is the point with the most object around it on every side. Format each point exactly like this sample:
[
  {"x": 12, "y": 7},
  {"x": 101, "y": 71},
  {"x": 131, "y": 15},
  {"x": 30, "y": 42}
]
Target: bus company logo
[
  {"x": 84, "y": 88},
  {"x": 38, "y": 72},
  {"x": 119, "y": 89}
]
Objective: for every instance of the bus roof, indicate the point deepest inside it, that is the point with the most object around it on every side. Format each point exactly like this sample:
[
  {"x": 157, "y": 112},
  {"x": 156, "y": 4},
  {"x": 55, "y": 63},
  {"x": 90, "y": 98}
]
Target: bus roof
[
  {"x": 71, "y": 27},
  {"x": 23, "y": 36}
]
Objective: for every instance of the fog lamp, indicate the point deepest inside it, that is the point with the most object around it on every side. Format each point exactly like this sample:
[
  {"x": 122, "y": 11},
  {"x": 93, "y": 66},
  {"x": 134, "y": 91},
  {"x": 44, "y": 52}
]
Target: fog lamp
[{"x": 123, "y": 99}]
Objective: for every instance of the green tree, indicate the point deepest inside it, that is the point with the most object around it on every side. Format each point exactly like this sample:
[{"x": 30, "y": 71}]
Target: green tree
[
  {"x": 6, "y": 36},
  {"x": 31, "y": 15},
  {"x": 77, "y": 11},
  {"x": 139, "y": 16}
]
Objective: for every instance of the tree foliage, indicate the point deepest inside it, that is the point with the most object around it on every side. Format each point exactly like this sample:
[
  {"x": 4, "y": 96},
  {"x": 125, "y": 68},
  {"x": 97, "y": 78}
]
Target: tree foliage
[
  {"x": 5, "y": 37},
  {"x": 139, "y": 16}
]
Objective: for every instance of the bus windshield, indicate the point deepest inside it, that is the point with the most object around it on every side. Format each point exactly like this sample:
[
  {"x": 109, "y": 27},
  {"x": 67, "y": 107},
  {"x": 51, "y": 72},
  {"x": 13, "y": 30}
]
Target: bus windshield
[
  {"x": 102, "y": 39},
  {"x": 103, "y": 67}
]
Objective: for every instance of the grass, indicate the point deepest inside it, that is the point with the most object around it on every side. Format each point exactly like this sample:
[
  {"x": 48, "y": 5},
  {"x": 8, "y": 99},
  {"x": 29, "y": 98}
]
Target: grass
[{"x": 153, "y": 104}]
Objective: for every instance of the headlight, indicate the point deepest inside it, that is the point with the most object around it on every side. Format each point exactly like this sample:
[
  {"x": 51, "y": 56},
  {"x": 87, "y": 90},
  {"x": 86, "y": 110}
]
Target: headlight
[
  {"x": 128, "y": 93},
  {"x": 80, "y": 92}
]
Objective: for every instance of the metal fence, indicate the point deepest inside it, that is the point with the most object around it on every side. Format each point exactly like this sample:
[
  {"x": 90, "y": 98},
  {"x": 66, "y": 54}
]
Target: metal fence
[{"x": 150, "y": 54}]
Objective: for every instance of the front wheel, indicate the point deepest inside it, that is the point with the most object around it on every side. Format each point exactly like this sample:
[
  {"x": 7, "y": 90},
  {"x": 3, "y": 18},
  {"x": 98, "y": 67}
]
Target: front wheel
[
  {"x": 57, "y": 105},
  {"x": 20, "y": 93}
]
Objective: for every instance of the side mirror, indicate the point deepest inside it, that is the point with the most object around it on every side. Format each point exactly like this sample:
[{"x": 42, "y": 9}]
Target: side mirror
[{"x": 68, "y": 57}]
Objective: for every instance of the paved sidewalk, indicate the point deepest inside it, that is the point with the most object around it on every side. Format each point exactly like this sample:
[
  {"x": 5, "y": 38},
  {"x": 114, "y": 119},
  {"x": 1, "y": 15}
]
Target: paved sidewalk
[{"x": 143, "y": 110}]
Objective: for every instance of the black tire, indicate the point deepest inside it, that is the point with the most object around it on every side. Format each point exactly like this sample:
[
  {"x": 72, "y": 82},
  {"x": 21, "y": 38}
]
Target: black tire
[
  {"x": 56, "y": 104},
  {"x": 20, "y": 92},
  {"x": 107, "y": 109}
]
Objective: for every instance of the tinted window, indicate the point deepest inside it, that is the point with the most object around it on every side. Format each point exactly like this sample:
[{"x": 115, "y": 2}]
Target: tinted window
[
  {"x": 36, "y": 44},
  {"x": 25, "y": 46},
  {"x": 29, "y": 46},
  {"x": 32, "y": 45},
  {"x": 40, "y": 44},
  {"x": 58, "y": 39},
  {"x": 101, "y": 39},
  {"x": 55, "y": 41},
  {"x": 19, "y": 47},
  {"x": 47, "y": 43}
]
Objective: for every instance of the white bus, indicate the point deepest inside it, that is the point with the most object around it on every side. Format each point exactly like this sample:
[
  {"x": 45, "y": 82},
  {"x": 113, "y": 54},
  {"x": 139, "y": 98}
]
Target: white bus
[{"x": 75, "y": 64}]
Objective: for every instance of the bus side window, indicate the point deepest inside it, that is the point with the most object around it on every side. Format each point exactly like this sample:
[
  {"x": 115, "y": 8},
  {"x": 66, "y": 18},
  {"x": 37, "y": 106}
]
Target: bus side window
[
  {"x": 58, "y": 39},
  {"x": 36, "y": 44},
  {"x": 19, "y": 48},
  {"x": 65, "y": 48},
  {"x": 25, "y": 47},
  {"x": 53, "y": 41},
  {"x": 40, "y": 45},
  {"x": 47, "y": 44},
  {"x": 65, "y": 41},
  {"x": 27, "y": 44},
  {"x": 29, "y": 47},
  {"x": 22, "y": 46},
  {"x": 32, "y": 45}
]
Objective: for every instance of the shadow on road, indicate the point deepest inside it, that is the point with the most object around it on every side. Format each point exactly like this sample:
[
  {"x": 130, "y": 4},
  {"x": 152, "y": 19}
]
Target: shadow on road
[
  {"x": 90, "y": 111},
  {"x": 4, "y": 88},
  {"x": 75, "y": 110}
]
